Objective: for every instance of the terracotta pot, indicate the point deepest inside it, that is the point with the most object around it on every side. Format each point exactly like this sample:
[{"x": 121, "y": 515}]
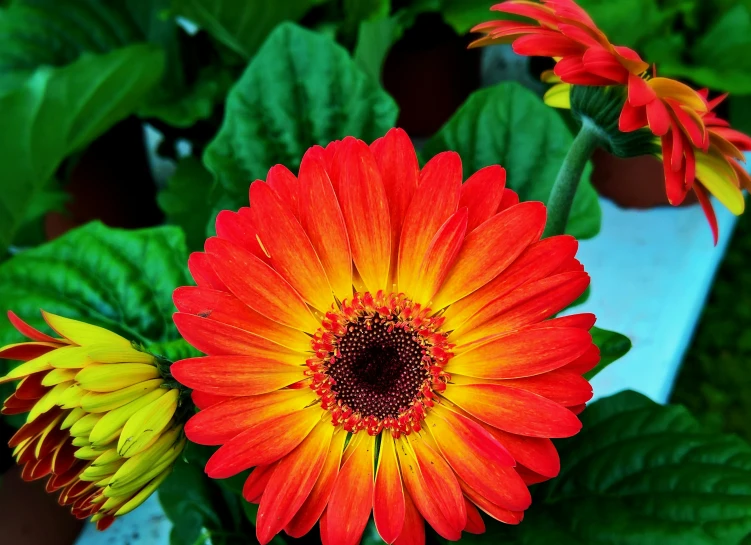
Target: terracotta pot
[
  {"x": 637, "y": 182},
  {"x": 430, "y": 73},
  {"x": 31, "y": 516}
]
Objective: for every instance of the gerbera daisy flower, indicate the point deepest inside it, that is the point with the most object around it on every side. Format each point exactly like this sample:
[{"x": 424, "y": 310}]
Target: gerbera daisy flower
[
  {"x": 562, "y": 30},
  {"x": 672, "y": 111},
  {"x": 378, "y": 341},
  {"x": 101, "y": 423}
]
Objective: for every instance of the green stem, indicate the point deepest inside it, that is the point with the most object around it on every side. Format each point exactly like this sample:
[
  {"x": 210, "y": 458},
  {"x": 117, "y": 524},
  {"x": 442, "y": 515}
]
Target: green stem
[{"x": 564, "y": 188}]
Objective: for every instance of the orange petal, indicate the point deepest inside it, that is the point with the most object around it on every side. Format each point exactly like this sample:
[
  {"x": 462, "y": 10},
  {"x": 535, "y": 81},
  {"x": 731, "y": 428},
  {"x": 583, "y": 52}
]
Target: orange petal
[
  {"x": 292, "y": 254},
  {"x": 202, "y": 273},
  {"x": 514, "y": 410},
  {"x": 352, "y": 497},
  {"x": 322, "y": 219},
  {"x": 204, "y": 400},
  {"x": 498, "y": 513},
  {"x": 366, "y": 212},
  {"x": 527, "y": 304},
  {"x": 537, "y": 453},
  {"x": 522, "y": 353},
  {"x": 490, "y": 248},
  {"x": 475, "y": 524},
  {"x": 388, "y": 496},
  {"x": 440, "y": 256},
  {"x": 31, "y": 332},
  {"x": 436, "y": 199},
  {"x": 292, "y": 481},
  {"x": 561, "y": 386},
  {"x": 236, "y": 375},
  {"x": 413, "y": 531},
  {"x": 482, "y": 194},
  {"x": 222, "y": 421},
  {"x": 510, "y": 198},
  {"x": 433, "y": 487},
  {"x": 286, "y": 186},
  {"x": 536, "y": 262},
  {"x": 316, "y": 502},
  {"x": 218, "y": 339},
  {"x": 238, "y": 228},
  {"x": 400, "y": 173},
  {"x": 256, "y": 482},
  {"x": 479, "y": 459},
  {"x": 263, "y": 443},
  {"x": 222, "y": 306},
  {"x": 259, "y": 286}
]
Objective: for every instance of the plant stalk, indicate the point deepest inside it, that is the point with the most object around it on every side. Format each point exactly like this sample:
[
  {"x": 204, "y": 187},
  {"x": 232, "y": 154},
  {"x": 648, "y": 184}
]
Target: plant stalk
[{"x": 567, "y": 181}]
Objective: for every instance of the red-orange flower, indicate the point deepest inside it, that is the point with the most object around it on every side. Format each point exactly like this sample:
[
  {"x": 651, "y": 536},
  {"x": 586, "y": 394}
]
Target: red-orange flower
[
  {"x": 678, "y": 115},
  {"x": 377, "y": 341},
  {"x": 565, "y": 32}
]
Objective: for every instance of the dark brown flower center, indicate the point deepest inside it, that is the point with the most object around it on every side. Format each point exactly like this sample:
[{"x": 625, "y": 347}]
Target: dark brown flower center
[{"x": 379, "y": 371}]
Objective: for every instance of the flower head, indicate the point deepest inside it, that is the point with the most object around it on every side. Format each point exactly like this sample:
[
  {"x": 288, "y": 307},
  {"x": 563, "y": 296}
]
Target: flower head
[
  {"x": 377, "y": 341},
  {"x": 101, "y": 425},
  {"x": 676, "y": 114}
]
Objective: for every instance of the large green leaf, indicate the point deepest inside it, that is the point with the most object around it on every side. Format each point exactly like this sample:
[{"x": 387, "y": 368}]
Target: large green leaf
[
  {"x": 121, "y": 280},
  {"x": 640, "y": 473},
  {"x": 36, "y": 33},
  {"x": 57, "y": 111},
  {"x": 612, "y": 345},
  {"x": 242, "y": 25},
  {"x": 300, "y": 89},
  {"x": 508, "y": 125}
]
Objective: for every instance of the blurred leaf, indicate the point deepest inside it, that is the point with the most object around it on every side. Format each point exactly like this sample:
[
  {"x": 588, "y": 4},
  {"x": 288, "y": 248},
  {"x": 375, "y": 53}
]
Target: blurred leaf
[
  {"x": 186, "y": 200},
  {"x": 631, "y": 23},
  {"x": 612, "y": 345},
  {"x": 118, "y": 279},
  {"x": 740, "y": 112},
  {"x": 60, "y": 110},
  {"x": 187, "y": 501},
  {"x": 374, "y": 40},
  {"x": 50, "y": 197},
  {"x": 508, "y": 125},
  {"x": 639, "y": 473},
  {"x": 242, "y": 25},
  {"x": 714, "y": 382},
  {"x": 301, "y": 89}
]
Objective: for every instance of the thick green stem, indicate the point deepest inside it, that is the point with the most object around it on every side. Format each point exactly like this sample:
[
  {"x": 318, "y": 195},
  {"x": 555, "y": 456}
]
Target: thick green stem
[{"x": 564, "y": 189}]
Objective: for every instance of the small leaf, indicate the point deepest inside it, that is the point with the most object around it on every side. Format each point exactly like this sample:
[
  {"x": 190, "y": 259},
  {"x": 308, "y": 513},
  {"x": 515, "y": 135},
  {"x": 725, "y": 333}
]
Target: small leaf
[
  {"x": 300, "y": 89},
  {"x": 60, "y": 110},
  {"x": 612, "y": 345},
  {"x": 508, "y": 125},
  {"x": 242, "y": 25}
]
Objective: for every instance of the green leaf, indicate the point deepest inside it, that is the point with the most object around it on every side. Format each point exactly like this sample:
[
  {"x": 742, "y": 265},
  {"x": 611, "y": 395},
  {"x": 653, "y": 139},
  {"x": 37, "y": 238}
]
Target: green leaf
[
  {"x": 630, "y": 23},
  {"x": 640, "y": 473},
  {"x": 508, "y": 125},
  {"x": 60, "y": 110},
  {"x": 300, "y": 89},
  {"x": 375, "y": 38},
  {"x": 242, "y": 25},
  {"x": 186, "y": 200},
  {"x": 186, "y": 498},
  {"x": 121, "y": 280},
  {"x": 36, "y": 33},
  {"x": 612, "y": 346}
]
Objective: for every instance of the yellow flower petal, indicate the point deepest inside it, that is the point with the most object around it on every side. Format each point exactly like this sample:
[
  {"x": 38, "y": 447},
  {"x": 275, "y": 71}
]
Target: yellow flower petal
[
  {"x": 559, "y": 96},
  {"x": 83, "y": 334},
  {"x": 713, "y": 174}
]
